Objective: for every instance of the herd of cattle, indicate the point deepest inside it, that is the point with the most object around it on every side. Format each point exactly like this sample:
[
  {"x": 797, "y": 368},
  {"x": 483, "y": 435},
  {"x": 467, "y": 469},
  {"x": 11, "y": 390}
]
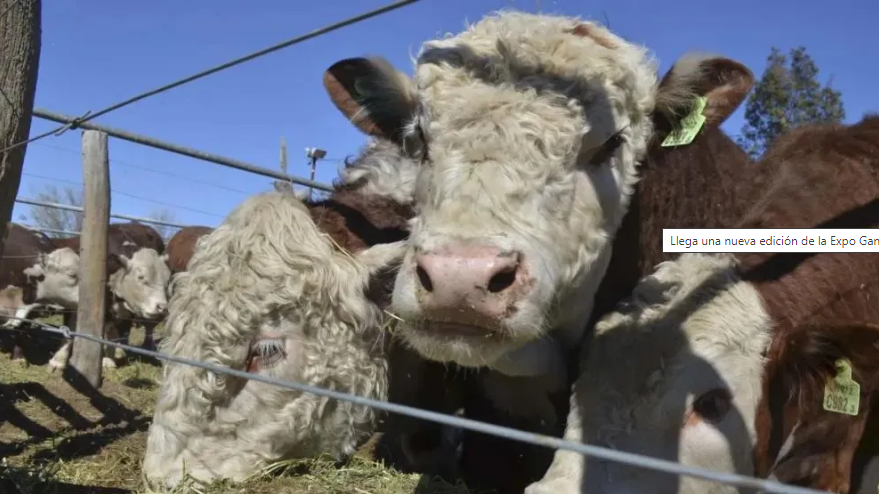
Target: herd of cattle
[
  {"x": 40, "y": 276},
  {"x": 495, "y": 251}
]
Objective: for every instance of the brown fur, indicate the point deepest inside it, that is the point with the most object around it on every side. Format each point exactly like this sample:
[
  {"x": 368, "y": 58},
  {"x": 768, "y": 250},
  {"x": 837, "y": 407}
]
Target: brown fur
[
  {"x": 704, "y": 184},
  {"x": 819, "y": 176},
  {"x": 800, "y": 362},
  {"x": 182, "y": 245},
  {"x": 816, "y": 176}
]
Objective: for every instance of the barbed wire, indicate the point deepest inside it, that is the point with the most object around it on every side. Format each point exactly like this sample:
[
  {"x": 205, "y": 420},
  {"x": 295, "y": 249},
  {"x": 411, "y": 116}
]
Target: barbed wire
[
  {"x": 89, "y": 115},
  {"x": 632, "y": 459}
]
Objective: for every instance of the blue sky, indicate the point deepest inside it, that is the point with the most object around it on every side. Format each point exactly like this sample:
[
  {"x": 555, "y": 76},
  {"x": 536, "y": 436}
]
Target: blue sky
[{"x": 98, "y": 52}]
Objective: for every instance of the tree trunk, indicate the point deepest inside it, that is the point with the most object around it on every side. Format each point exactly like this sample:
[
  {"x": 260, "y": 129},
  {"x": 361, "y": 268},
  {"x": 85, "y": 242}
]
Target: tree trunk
[{"x": 20, "y": 30}]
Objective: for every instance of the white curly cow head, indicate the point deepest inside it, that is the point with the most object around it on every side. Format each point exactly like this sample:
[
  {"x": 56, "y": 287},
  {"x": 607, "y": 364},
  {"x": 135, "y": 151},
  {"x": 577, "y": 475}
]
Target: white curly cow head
[{"x": 529, "y": 129}]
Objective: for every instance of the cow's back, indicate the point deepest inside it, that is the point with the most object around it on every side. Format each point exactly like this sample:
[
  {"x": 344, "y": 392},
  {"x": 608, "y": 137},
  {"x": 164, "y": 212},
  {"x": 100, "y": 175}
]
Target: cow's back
[
  {"x": 127, "y": 238},
  {"x": 22, "y": 250},
  {"x": 824, "y": 176},
  {"x": 182, "y": 245}
]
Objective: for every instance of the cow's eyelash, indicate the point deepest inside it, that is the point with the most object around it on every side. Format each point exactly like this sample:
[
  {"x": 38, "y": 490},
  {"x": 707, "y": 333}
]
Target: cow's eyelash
[{"x": 268, "y": 350}]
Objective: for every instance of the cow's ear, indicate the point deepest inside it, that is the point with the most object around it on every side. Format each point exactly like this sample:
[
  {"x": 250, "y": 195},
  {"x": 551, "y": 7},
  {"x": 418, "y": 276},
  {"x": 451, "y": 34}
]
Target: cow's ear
[
  {"x": 378, "y": 99},
  {"x": 820, "y": 448},
  {"x": 723, "y": 82}
]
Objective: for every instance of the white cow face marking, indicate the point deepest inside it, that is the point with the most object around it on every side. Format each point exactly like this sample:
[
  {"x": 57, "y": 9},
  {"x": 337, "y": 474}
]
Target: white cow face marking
[
  {"x": 57, "y": 278},
  {"x": 142, "y": 283}
]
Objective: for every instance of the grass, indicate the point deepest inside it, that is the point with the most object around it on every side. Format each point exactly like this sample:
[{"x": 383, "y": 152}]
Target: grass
[{"x": 58, "y": 437}]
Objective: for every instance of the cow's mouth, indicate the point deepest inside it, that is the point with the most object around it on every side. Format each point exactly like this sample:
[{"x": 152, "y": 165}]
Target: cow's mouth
[{"x": 444, "y": 329}]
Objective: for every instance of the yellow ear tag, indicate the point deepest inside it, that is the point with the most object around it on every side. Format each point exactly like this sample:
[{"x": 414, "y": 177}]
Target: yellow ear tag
[
  {"x": 690, "y": 125},
  {"x": 842, "y": 394}
]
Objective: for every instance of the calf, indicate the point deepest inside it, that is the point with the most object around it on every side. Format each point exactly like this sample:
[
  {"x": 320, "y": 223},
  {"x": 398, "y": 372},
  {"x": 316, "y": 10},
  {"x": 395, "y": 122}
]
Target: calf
[
  {"x": 182, "y": 245},
  {"x": 137, "y": 279},
  {"x": 293, "y": 290},
  {"x": 527, "y": 173},
  {"x": 20, "y": 280},
  {"x": 805, "y": 310}
]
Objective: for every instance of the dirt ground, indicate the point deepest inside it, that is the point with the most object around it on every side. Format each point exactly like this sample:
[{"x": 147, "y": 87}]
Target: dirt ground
[{"x": 59, "y": 436}]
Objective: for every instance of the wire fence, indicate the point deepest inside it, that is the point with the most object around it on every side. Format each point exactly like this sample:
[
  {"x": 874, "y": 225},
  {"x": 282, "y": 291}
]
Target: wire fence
[
  {"x": 586, "y": 450},
  {"x": 72, "y": 122},
  {"x": 89, "y": 115}
]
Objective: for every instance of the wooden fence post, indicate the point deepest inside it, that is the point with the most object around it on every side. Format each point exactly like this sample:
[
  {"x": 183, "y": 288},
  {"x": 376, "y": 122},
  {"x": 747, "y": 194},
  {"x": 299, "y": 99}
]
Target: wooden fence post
[
  {"x": 87, "y": 355},
  {"x": 20, "y": 27}
]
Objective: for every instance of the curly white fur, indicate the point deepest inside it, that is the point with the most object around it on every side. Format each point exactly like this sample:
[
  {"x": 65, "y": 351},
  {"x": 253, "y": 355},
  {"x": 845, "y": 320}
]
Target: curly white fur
[
  {"x": 512, "y": 111},
  {"x": 267, "y": 271}
]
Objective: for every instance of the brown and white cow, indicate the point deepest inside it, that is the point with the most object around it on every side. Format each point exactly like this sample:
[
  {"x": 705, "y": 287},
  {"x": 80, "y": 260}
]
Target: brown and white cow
[
  {"x": 181, "y": 246},
  {"x": 137, "y": 281},
  {"x": 20, "y": 281},
  {"x": 530, "y": 131},
  {"x": 295, "y": 290},
  {"x": 730, "y": 353}
]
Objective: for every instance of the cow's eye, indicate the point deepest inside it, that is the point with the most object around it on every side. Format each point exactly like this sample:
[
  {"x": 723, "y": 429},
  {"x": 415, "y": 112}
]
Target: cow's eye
[
  {"x": 607, "y": 149},
  {"x": 713, "y": 405},
  {"x": 266, "y": 352}
]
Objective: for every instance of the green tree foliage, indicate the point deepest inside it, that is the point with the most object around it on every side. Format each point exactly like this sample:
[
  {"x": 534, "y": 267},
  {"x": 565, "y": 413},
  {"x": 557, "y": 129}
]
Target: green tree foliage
[{"x": 787, "y": 96}]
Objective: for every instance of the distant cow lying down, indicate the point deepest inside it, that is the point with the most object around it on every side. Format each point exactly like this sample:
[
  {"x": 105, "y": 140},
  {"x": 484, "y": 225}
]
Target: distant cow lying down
[
  {"x": 691, "y": 369},
  {"x": 816, "y": 176},
  {"x": 279, "y": 288}
]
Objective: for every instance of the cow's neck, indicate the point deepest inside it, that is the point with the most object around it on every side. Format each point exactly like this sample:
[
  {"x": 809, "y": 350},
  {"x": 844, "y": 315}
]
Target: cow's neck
[{"x": 700, "y": 185}]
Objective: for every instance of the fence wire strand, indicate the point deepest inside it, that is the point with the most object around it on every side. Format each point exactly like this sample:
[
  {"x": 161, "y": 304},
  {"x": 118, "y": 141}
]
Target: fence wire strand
[
  {"x": 587, "y": 450},
  {"x": 213, "y": 70}
]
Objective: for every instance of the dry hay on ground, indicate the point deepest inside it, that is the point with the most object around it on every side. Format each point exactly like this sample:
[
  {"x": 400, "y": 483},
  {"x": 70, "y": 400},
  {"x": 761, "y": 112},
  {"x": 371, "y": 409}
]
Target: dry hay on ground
[{"x": 57, "y": 437}]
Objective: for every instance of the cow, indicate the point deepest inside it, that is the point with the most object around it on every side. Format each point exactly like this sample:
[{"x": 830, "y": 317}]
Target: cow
[
  {"x": 20, "y": 281},
  {"x": 755, "y": 335},
  {"x": 137, "y": 280},
  {"x": 181, "y": 246},
  {"x": 296, "y": 290},
  {"x": 530, "y": 130}
]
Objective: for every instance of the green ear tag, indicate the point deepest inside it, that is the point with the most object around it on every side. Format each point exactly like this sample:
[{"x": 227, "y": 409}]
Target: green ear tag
[
  {"x": 690, "y": 125},
  {"x": 842, "y": 394}
]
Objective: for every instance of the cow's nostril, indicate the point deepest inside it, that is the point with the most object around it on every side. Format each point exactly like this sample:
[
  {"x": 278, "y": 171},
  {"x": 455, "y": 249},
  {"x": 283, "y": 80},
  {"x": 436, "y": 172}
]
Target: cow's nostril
[
  {"x": 423, "y": 278},
  {"x": 502, "y": 280}
]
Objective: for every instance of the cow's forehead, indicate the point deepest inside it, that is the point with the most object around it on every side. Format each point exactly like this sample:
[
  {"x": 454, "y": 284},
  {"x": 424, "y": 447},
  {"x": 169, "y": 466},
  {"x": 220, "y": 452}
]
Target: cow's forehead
[
  {"x": 532, "y": 54},
  {"x": 693, "y": 324}
]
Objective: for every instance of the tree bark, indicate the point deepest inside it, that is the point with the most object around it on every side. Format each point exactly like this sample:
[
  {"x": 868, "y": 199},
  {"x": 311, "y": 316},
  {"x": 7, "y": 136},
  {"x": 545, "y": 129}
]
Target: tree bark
[{"x": 20, "y": 32}]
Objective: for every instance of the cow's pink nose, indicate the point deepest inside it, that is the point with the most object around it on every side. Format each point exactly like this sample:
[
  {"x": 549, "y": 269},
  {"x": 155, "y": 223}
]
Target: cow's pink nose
[{"x": 471, "y": 285}]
